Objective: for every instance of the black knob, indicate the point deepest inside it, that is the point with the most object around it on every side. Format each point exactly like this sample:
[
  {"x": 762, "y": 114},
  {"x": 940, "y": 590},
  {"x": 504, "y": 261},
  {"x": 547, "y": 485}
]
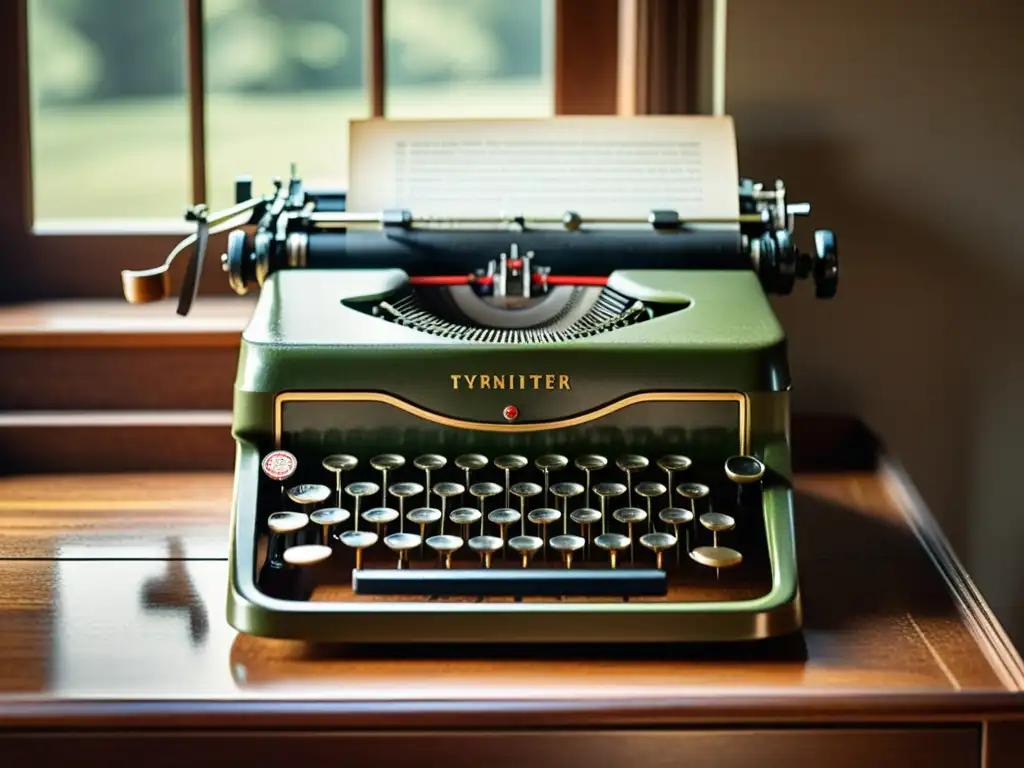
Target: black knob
[{"x": 826, "y": 264}]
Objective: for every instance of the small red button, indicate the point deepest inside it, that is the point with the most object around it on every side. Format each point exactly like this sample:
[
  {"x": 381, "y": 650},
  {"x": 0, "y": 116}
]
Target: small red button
[{"x": 511, "y": 413}]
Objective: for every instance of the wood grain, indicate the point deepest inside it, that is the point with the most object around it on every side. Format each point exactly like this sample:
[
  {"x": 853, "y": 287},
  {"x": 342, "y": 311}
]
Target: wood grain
[{"x": 105, "y": 600}]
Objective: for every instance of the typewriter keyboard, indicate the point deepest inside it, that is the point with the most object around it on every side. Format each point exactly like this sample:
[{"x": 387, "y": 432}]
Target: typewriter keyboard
[{"x": 513, "y": 527}]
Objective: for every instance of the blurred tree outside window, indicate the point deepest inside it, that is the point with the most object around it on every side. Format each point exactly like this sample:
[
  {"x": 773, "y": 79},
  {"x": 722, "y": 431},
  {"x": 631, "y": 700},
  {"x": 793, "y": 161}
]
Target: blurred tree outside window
[{"x": 108, "y": 83}]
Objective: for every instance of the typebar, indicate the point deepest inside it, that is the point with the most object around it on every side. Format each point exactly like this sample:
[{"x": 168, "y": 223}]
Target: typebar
[{"x": 511, "y": 583}]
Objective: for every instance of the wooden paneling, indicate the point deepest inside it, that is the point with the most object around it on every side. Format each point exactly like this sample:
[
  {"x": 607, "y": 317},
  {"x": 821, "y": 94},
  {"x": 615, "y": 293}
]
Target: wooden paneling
[{"x": 586, "y": 57}]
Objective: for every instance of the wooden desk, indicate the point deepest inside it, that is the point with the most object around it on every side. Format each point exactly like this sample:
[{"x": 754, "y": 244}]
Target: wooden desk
[{"x": 113, "y": 643}]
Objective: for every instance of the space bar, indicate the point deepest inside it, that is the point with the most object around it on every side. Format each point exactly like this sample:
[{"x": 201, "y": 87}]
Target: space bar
[{"x": 511, "y": 583}]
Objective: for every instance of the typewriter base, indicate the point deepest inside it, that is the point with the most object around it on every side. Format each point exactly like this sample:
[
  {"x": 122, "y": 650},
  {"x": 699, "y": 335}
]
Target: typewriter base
[{"x": 723, "y": 607}]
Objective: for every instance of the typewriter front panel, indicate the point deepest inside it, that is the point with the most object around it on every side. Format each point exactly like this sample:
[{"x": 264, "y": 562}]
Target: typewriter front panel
[{"x": 617, "y": 523}]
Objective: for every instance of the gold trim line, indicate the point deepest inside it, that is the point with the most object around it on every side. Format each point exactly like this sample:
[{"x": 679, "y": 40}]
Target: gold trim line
[{"x": 377, "y": 397}]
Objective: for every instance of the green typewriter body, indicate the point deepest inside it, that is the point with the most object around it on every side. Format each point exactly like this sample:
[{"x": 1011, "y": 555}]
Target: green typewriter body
[{"x": 663, "y": 401}]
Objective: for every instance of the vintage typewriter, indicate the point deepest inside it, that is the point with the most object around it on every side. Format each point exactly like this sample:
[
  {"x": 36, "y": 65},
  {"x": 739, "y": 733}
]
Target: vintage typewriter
[{"x": 509, "y": 428}]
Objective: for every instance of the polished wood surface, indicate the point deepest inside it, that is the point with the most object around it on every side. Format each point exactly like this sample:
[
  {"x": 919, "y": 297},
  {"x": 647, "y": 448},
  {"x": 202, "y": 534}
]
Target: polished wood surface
[{"x": 112, "y": 591}]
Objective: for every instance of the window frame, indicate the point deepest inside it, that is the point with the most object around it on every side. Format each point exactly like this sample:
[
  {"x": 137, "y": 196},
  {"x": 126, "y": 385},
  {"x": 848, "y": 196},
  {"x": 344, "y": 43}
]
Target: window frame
[{"x": 86, "y": 263}]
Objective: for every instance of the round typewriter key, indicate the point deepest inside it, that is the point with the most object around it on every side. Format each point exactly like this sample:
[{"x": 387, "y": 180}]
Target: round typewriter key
[
  {"x": 551, "y": 462},
  {"x": 308, "y": 494},
  {"x": 566, "y": 491},
  {"x": 717, "y": 557},
  {"x": 671, "y": 464},
  {"x": 279, "y": 465},
  {"x": 380, "y": 516},
  {"x": 503, "y": 518},
  {"x": 716, "y": 522},
  {"x": 446, "y": 491},
  {"x": 567, "y": 544},
  {"x": 483, "y": 491},
  {"x": 629, "y": 464},
  {"x": 590, "y": 462},
  {"x": 358, "y": 491},
  {"x": 403, "y": 491},
  {"x": 525, "y": 546},
  {"x": 424, "y": 516},
  {"x": 429, "y": 462},
  {"x": 524, "y": 491},
  {"x": 585, "y": 517},
  {"x": 604, "y": 492},
  {"x": 307, "y": 554},
  {"x": 327, "y": 518},
  {"x": 613, "y": 543},
  {"x": 445, "y": 546},
  {"x": 339, "y": 463},
  {"x": 743, "y": 470},
  {"x": 510, "y": 463},
  {"x": 658, "y": 542},
  {"x": 287, "y": 522},
  {"x": 469, "y": 463},
  {"x": 676, "y": 516},
  {"x": 358, "y": 540},
  {"x": 401, "y": 543},
  {"x": 650, "y": 491},
  {"x": 465, "y": 516},
  {"x": 629, "y": 516},
  {"x": 486, "y": 546},
  {"x": 384, "y": 463},
  {"x": 693, "y": 491},
  {"x": 542, "y": 517}
]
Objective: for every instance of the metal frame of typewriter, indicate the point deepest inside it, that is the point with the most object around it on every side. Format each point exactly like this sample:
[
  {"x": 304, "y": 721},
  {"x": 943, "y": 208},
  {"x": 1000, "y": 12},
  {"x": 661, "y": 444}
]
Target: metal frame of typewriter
[{"x": 283, "y": 243}]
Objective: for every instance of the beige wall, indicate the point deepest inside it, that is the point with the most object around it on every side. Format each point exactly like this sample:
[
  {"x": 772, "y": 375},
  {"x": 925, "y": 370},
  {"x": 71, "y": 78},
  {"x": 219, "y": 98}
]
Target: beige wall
[{"x": 902, "y": 121}]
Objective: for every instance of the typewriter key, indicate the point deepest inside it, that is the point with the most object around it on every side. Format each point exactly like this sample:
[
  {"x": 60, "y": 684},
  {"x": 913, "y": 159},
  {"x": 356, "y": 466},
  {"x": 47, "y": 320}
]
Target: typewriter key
[
  {"x": 743, "y": 470},
  {"x": 525, "y": 546},
  {"x": 604, "y": 492},
  {"x": 586, "y": 517},
  {"x": 567, "y": 544},
  {"x": 328, "y": 517},
  {"x": 468, "y": 463},
  {"x": 510, "y": 463},
  {"x": 424, "y": 516},
  {"x": 629, "y": 516},
  {"x": 308, "y": 494},
  {"x": 401, "y": 543},
  {"x": 717, "y": 522},
  {"x": 590, "y": 462},
  {"x": 358, "y": 540},
  {"x": 503, "y": 518},
  {"x": 279, "y": 466},
  {"x": 717, "y": 557},
  {"x": 445, "y": 546},
  {"x": 658, "y": 542},
  {"x": 358, "y": 491},
  {"x": 403, "y": 491},
  {"x": 283, "y": 526},
  {"x": 693, "y": 491},
  {"x": 307, "y": 554},
  {"x": 446, "y": 491},
  {"x": 542, "y": 517},
  {"x": 671, "y": 464},
  {"x": 380, "y": 516},
  {"x": 384, "y": 463},
  {"x": 629, "y": 464},
  {"x": 339, "y": 463},
  {"x": 486, "y": 546},
  {"x": 548, "y": 463},
  {"x": 484, "y": 491},
  {"x": 650, "y": 491},
  {"x": 612, "y": 543},
  {"x": 429, "y": 462},
  {"x": 566, "y": 491},
  {"x": 466, "y": 516},
  {"x": 524, "y": 491},
  {"x": 676, "y": 516}
]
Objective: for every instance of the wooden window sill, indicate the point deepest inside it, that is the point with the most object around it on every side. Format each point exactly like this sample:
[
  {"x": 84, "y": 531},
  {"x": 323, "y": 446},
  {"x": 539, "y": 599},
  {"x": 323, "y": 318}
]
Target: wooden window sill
[{"x": 215, "y": 321}]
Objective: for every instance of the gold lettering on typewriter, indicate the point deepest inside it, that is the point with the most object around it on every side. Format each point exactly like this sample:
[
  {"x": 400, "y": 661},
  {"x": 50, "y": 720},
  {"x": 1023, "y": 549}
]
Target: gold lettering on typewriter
[{"x": 513, "y": 381}]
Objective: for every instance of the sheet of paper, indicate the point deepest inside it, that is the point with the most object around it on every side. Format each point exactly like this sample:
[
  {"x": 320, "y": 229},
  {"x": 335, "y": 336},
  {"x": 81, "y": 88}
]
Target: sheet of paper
[{"x": 596, "y": 166}]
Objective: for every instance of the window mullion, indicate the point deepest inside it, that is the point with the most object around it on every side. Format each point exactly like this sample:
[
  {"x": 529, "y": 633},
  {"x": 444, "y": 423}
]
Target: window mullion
[{"x": 197, "y": 97}]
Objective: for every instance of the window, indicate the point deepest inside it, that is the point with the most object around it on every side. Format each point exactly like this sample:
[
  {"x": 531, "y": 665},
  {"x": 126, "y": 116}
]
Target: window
[{"x": 132, "y": 110}]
